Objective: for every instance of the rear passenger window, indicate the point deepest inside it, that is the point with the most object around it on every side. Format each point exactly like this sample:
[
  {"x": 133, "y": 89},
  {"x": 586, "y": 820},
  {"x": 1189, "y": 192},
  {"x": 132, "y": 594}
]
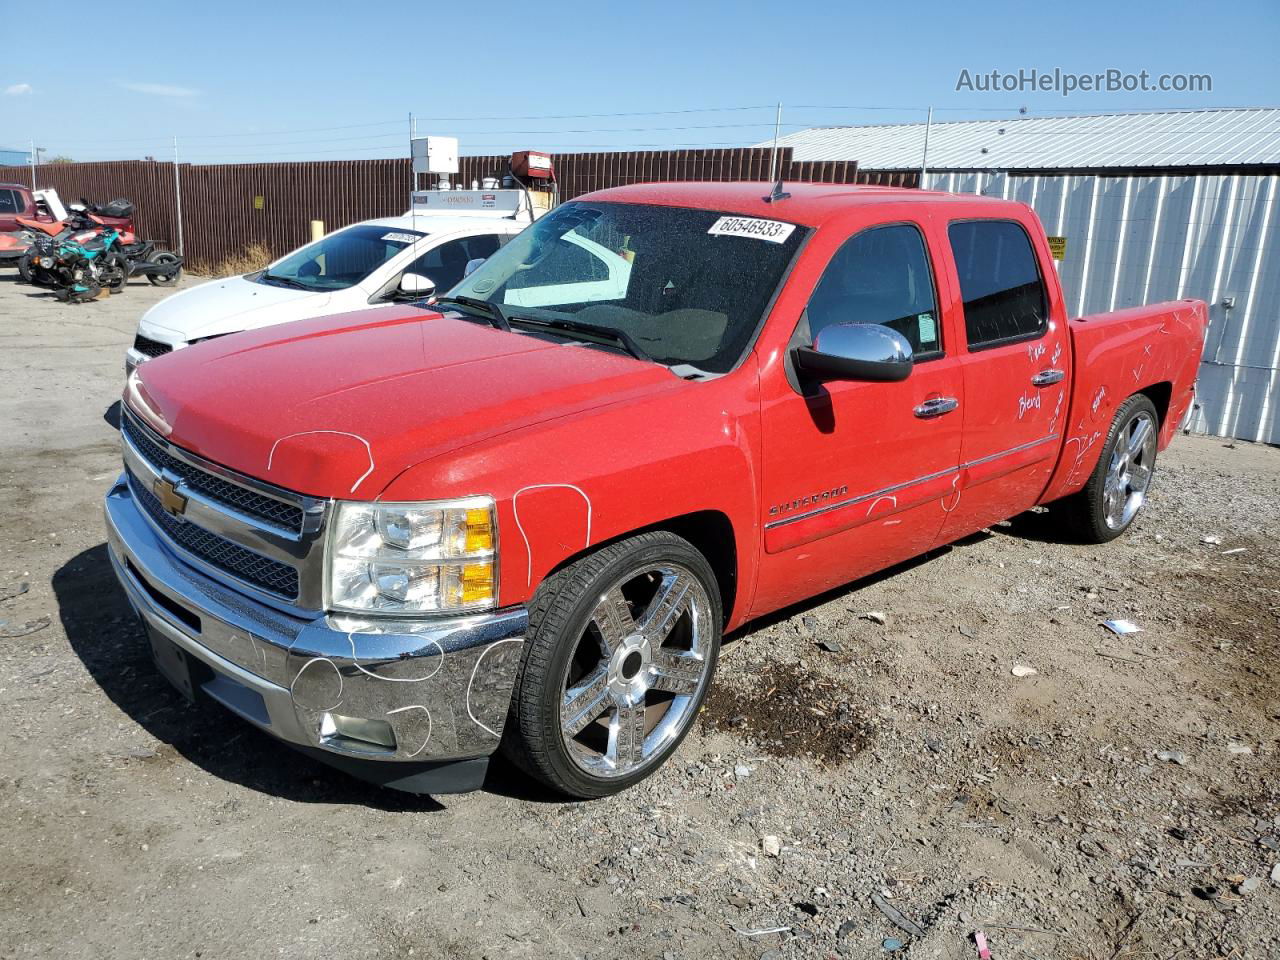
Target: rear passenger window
[
  {"x": 881, "y": 276},
  {"x": 1004, "y": 298}
]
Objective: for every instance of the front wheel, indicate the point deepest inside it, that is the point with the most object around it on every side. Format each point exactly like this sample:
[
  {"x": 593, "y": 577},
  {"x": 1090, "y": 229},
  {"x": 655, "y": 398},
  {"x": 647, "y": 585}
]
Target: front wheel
[
  {"x": 1117, "y": 489},
  {"x": 621, "y": 650}
]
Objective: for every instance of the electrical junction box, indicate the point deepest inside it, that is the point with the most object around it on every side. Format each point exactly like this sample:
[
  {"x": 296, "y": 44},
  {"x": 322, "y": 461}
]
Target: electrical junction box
[{"x": 434, "y": 154}]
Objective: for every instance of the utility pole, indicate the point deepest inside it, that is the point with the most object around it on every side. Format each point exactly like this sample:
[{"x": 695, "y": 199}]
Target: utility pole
[
  {"x": 774, "y": 172},
  {"x": 33, "y": 164},
  {"x": 924, "y": 156},
  {"x": 177, "y": 194}
]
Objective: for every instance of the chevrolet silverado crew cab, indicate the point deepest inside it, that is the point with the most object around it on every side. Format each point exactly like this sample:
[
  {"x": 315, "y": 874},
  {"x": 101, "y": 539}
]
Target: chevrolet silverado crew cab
[
  {"x": 360, "y": 267},
  {"x": 525, "y": 515}
]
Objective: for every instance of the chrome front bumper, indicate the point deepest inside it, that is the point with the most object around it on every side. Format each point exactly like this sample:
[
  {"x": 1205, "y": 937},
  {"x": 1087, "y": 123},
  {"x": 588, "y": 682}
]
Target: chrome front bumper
[{"x": 443, "y": 686}]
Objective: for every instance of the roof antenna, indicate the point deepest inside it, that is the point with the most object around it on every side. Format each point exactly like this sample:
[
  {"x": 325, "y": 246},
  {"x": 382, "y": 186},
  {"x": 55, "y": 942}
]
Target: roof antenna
[{"x": 775, "y": 168}]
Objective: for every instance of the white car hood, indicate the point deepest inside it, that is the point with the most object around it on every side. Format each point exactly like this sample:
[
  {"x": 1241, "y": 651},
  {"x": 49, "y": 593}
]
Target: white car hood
[{"x": 228, "y": 306}]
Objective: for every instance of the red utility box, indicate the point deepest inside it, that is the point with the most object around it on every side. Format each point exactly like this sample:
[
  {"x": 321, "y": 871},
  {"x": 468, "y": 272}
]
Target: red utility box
[{"x": 532, "y": 165}]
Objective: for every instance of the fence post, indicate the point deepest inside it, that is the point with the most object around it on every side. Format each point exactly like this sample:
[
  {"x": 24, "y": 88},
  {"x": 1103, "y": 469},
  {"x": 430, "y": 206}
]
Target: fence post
[{"x": 177, "y": 193}]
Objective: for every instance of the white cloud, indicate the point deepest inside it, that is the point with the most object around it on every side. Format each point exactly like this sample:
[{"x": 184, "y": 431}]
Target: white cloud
[
  {"x": 161, "y": 90},
  {"x": 17, "y": 89}
]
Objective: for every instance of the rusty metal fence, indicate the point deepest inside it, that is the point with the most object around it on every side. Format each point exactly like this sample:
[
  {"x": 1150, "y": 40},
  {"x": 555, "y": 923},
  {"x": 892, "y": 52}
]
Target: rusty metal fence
[{"x": 227, "y": 208}]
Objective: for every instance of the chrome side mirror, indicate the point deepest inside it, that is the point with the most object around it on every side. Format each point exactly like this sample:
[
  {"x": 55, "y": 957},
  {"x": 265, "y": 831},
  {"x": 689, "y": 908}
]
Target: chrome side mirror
[
  {"x": 414, "y": 286},
  {"x": 856, "y": 351}
]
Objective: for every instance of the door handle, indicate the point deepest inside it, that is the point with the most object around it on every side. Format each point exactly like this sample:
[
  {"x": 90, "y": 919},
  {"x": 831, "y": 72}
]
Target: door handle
[
  {"x": 1047, "y": 378},
  {"x": 936, "y": 407}
]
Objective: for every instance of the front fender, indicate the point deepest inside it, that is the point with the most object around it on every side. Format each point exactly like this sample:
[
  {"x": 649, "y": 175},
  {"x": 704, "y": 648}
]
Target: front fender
[{"x": 565, "y": 486}]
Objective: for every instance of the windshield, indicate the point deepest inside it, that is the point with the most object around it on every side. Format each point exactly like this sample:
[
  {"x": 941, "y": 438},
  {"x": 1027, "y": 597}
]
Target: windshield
[
  {"x": 687, "y": 286},
  {"x": 340, "y": 260}
]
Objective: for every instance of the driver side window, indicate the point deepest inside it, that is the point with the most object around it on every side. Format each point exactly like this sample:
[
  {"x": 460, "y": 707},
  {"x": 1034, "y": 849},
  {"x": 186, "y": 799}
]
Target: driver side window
[
  {"x": 444, "y": 265},
  {"x": 881, "y": 276}
]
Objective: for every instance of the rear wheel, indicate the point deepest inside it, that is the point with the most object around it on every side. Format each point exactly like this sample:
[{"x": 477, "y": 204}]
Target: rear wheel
[
  {"x": 621, "y": 650},
  {"x": 115, "y": 273},
  {"x": 164, "y": 256},
  {"x": 1117, "y": 489}
]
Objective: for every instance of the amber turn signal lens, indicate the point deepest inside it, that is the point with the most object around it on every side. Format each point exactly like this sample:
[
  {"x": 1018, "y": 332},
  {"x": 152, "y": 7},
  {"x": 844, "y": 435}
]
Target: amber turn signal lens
[
  {"x": 477, "y": 583},
  {"x": 479, "y": 533}
]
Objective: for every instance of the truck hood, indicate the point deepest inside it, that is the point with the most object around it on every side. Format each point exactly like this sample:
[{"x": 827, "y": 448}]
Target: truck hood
[
  {"x": 227, "y": 306},
  {"x": 339, "y": 406}
]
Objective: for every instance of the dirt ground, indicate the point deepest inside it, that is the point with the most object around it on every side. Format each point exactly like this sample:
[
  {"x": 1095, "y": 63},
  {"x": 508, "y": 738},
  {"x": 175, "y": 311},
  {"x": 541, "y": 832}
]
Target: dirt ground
[{"x": 868, "y": 772}]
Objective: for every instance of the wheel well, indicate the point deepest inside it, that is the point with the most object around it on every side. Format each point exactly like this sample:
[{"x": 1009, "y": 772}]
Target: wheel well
[
  {"x": 1160, "y": 394},
  {"x": 711, "y": 534}
]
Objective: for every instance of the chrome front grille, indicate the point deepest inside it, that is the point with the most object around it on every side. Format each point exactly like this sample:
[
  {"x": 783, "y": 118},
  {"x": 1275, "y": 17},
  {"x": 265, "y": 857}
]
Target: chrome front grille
[
  {"x": 253, "y": 568},
  {"x": 238, "y": 498},
  {"x": 267, "y": 540}
]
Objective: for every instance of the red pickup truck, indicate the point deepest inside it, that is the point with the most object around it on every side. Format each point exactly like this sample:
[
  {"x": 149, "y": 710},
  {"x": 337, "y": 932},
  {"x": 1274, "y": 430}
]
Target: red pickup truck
[{"x": 525, "y": 515}]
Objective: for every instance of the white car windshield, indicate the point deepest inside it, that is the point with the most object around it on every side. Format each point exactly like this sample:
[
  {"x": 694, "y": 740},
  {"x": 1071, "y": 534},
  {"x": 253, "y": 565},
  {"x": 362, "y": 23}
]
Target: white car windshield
[
  {"x": 340, "y": 260},
  {"x": 684, "y": 286}
]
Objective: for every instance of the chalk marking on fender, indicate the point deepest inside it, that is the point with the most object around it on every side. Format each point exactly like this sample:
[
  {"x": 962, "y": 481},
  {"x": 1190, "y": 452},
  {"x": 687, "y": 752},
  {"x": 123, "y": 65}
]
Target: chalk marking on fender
[
  {"x": 528, "y": 548},
  {"x": 340, "y": 433},
  {"x": 893, "y": 503},
  {"x": 472, "y": 682}
]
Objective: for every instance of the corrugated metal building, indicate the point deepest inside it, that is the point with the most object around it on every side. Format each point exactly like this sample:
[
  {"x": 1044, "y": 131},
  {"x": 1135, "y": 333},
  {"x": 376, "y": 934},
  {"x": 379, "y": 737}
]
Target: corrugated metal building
[{"x": 1154, "y": 206}]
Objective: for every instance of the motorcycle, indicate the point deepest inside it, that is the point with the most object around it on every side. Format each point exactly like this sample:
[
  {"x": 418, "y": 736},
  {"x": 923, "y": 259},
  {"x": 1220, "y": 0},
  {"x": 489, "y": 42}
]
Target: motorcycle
[
  {"x": 84, "y": 268},
  {"x": 85, "y": 219}
]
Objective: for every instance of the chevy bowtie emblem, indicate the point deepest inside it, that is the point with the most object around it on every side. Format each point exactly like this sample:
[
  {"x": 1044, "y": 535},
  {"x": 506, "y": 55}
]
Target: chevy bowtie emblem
[{"x": 173, "y": 502}]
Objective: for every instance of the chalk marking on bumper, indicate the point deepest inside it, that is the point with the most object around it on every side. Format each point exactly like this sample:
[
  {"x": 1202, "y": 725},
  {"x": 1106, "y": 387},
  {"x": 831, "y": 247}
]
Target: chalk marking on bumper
[{"x": 463, "y": 669}]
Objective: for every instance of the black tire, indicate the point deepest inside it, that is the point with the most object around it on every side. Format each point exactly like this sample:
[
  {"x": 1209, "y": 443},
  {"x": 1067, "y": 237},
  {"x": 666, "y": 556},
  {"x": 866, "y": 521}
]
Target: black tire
[
  {"x": 164, "y": 256},
  {"x": 559, "y": 616},
  {"x": 25, "y": 268},
  {"x": 1085, "y": 514},
  {"x": 115, "y": 273}
]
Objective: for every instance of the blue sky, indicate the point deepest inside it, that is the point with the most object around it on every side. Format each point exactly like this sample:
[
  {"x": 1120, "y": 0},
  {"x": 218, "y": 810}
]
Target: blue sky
[{"x": 242, "y": 82}]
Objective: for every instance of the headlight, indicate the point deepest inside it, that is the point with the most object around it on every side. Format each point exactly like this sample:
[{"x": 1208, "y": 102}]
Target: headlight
[{"x": 406, "y": 558}]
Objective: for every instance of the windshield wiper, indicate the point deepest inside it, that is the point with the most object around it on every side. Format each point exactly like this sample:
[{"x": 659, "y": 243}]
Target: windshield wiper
[
  {"x": 620, "y": 337},
  {"x": 287, "y": 281},
  {"x": 494, "y": 312}
]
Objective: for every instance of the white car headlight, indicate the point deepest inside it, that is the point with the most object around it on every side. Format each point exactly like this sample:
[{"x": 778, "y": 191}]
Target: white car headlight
[{"x": 407, "y": 558}]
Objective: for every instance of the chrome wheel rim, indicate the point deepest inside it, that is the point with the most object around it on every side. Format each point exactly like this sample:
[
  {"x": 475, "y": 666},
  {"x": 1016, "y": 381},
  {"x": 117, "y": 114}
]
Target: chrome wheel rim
[
  {"x": 1129, "y": 473},
  {"x": 636, "y": 671}
]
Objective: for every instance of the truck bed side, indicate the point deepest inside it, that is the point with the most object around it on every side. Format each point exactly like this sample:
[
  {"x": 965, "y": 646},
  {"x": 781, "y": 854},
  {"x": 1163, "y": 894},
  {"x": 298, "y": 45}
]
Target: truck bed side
[{"x": 1154, "y": 350}]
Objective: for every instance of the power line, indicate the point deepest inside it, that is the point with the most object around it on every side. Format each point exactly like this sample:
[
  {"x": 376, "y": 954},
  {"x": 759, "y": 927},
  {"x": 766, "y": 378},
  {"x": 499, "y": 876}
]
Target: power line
[
  {"x": 593, "y": 116},
  {"x": 400, "y": 122}
]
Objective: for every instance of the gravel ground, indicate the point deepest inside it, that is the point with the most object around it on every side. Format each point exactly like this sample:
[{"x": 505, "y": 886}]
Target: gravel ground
[{"x": 868, "y": 772}]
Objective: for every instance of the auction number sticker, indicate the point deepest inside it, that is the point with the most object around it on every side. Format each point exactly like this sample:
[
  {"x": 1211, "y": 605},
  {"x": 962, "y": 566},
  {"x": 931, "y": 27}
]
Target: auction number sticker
[
  {"x": 400, "y": 237},
  {"x": 775, "y": 231}
]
